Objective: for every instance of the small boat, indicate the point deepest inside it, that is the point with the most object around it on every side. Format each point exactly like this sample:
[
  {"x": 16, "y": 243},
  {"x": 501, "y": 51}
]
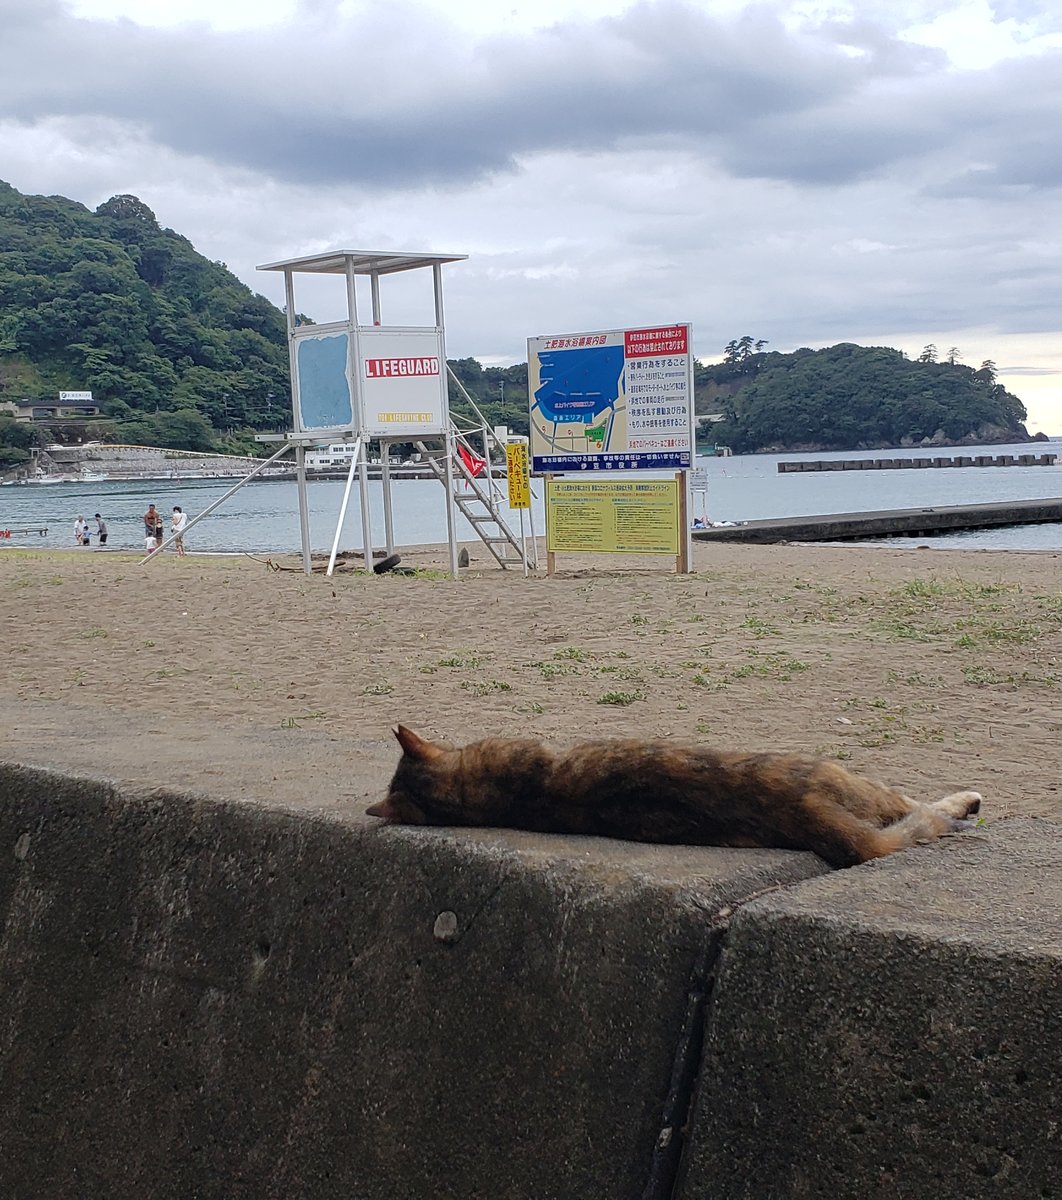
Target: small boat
[{"x": 92, "y": 477}]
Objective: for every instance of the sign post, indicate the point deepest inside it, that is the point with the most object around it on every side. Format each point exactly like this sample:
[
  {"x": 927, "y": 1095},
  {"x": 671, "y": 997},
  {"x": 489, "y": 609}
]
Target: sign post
[
  {"x": 614, "y": 401},
  {"x": 699, "y": 486},
  {"x": 518, "y": 474}
]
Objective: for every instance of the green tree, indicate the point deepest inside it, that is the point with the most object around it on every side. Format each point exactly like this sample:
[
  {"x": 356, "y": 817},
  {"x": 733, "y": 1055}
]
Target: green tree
[
  {"x": 108, "y": 300},
  {"x": 848, "y": 396}
]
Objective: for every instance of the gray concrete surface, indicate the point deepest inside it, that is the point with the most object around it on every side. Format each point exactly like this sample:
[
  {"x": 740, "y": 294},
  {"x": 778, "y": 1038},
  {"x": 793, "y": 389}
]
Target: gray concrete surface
[
  {"x": 228, "y": 998},
  {"x": 892, "y": 1031},
  {"x": 302, "y": 769},
  {"x": 905, "y": 522}
]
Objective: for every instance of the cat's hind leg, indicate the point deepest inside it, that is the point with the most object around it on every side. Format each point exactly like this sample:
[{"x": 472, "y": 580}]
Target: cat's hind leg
[
  {"x": 929, "y": 822},
  {"x": 845, "y": 840},
  {"x": 838, "y": 835},
  {"x": 864, "y": 798}
]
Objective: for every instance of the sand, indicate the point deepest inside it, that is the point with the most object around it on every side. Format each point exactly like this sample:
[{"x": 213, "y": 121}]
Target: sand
[{"x": 930, "y": 670}]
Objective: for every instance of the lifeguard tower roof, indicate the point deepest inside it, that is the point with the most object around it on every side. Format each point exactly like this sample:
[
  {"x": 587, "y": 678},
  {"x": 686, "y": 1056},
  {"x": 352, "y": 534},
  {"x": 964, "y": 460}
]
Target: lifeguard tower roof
[{"x": 363, "y": 262}]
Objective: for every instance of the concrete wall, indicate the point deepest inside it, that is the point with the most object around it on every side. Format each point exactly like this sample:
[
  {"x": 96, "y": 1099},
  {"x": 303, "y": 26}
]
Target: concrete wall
[
  {"x": 137, "y": 461},
  {"x": 892, "y": 1031},
  {"x": 226, "y": 1000},
  {"x": 205, "y": 999}
]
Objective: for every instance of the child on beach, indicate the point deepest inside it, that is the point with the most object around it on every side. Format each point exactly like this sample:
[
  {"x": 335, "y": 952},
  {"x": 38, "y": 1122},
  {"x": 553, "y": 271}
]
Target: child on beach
[{"x": 177, "y": 525}]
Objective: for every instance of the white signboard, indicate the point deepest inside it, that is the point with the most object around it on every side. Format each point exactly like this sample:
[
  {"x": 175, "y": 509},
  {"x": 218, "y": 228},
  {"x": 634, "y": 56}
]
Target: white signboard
[
  {"x": 75, "y": 397},
  {"x": 621, "y": 399},
  {"x": 402, "y": 382}
]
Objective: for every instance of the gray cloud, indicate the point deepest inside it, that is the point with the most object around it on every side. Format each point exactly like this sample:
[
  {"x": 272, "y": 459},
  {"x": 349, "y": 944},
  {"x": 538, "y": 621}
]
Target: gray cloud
[{"x": 393, "y": 100}]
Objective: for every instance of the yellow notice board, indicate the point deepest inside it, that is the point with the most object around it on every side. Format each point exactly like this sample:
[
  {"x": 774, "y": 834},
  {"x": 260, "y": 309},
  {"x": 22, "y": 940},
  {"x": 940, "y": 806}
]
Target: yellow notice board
[
  {"x": 518, "y": 471},
  {"x": 613, "y": 517}
]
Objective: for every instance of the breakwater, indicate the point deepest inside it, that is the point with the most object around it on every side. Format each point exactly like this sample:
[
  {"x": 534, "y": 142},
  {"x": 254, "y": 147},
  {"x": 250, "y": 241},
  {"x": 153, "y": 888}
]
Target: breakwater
[
  {"x": 97, "y": 463},
  {"x": 900, "y": 522},
  {"x": 910, "y": 464}
]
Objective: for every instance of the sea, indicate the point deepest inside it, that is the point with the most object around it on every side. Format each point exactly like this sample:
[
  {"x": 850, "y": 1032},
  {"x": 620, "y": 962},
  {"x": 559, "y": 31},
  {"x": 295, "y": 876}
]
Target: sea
[{"x": 263, "y": 517}]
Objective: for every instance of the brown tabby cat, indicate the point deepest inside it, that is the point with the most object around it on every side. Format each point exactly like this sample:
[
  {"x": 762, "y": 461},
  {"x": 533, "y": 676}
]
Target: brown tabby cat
[{"x": 659, "y": 792}]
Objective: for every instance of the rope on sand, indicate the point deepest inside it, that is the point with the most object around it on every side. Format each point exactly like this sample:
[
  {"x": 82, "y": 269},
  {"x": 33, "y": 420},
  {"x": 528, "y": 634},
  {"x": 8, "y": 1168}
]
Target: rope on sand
[{"x": 345, "y": 562}]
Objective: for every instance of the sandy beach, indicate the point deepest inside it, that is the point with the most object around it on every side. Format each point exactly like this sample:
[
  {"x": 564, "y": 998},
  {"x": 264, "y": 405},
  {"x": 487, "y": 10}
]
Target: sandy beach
[{"x": 930, "y": 670}]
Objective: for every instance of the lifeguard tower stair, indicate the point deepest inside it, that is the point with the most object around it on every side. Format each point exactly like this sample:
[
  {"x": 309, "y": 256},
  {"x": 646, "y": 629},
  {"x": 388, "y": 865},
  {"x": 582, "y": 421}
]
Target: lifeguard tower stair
[{"x": 477, "y": 496}]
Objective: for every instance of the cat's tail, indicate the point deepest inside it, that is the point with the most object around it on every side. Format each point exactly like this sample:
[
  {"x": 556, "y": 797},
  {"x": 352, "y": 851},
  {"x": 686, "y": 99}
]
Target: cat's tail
[{"x": 924, "y": 824}]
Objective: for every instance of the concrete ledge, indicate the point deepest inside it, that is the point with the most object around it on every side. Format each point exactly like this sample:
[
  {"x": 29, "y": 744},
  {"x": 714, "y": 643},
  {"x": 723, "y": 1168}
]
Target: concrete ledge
[
  {"x": 227, "y": 1000},
  {"x": 906, "y": 522},
  {"x": 892, "y": 1031}
]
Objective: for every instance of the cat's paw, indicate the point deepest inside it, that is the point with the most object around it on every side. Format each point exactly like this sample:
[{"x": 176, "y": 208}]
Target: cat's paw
[{"x": 959, "y": 804}]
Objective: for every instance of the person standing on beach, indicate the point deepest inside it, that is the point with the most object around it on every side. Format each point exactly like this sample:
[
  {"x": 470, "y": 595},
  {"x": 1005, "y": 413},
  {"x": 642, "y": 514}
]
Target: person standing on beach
[
  {"x": 101, "y": 530},
  {"x": 152, "y": 519},
  {"x": 80, "y": 526},
  {"x": 177, "y": 526}
]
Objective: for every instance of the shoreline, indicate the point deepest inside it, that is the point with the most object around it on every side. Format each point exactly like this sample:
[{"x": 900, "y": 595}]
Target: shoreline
[{"x": 605, "y": 564}]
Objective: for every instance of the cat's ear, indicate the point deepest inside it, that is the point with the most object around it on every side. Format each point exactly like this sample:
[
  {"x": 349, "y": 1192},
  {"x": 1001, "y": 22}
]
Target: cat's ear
[
  {"x": 414, "y": 745},
  {"x": 383, "y": 808}
]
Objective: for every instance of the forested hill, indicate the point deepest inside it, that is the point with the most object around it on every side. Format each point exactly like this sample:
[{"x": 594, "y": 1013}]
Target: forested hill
[
  {"x": 175, "y": 349},
  {"x": 178, "y": 352},
  {"x": 849, "y": 397},
  {"x": 111, "y": 302}
]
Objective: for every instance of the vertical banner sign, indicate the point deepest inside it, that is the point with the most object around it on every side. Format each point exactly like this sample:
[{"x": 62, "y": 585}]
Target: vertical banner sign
[
  {"x": 618, "y": 400},
  {"x": 518, "y": 472}
]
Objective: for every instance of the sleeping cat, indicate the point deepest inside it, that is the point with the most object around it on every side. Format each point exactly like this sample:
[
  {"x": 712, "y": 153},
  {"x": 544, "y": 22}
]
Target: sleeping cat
[{"x": 660, "y": 792}]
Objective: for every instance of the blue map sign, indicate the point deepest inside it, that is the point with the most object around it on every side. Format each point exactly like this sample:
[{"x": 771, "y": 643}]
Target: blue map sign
[{"x": 618, "y": 400}]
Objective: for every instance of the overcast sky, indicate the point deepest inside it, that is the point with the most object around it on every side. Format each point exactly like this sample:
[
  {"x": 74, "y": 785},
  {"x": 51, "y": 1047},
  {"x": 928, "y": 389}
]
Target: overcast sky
[{"x": 887, "y": 172}]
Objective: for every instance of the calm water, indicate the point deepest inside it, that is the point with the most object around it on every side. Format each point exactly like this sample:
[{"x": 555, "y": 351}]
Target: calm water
[{"x": 264, "y": 517}]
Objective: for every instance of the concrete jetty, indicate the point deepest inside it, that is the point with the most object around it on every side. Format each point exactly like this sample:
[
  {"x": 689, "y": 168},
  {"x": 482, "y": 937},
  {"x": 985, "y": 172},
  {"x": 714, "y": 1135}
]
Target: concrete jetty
[
  {"x": 222, "y": 999},
  {"x": 900, "y": 522}
]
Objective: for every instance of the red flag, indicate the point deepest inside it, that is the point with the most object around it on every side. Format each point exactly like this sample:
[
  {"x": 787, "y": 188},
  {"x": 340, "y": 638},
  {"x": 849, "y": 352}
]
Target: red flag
[{"x": 473, "y": 463}]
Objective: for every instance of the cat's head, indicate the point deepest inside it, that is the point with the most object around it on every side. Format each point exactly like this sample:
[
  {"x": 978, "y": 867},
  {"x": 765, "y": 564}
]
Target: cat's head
[{"x": 424, "y": 789}]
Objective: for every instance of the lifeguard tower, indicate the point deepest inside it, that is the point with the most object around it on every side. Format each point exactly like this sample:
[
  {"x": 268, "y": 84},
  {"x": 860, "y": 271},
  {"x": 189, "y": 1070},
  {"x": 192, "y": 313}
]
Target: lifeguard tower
[{"x": 360, "y": 381}]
